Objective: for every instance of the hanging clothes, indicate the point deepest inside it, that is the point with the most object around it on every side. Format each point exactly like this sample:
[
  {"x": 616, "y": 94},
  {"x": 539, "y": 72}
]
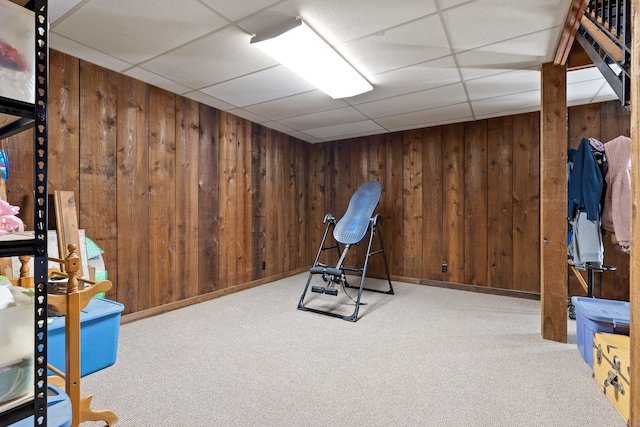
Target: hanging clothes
[
  {"x": 585, "y": 190},
  {"x": 585, "y": 184},
  {"x": 585, "y": 245},
  {"x": 616, "y": 214}
]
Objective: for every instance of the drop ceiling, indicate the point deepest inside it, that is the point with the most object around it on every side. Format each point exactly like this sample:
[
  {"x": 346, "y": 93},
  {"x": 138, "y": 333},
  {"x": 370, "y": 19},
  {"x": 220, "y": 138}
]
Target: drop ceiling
[{"x": 430, "y": 62}]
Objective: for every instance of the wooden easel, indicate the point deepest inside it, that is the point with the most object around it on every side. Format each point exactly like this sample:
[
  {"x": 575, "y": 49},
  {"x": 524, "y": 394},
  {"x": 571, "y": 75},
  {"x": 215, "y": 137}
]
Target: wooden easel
[{"x": 70, "y": 305}]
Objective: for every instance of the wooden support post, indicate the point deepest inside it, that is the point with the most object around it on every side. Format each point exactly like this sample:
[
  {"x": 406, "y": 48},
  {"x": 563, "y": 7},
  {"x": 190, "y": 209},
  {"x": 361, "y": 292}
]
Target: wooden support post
[
  {"x": 634, "y": 261},
  {"x": 553, "y": 202}
]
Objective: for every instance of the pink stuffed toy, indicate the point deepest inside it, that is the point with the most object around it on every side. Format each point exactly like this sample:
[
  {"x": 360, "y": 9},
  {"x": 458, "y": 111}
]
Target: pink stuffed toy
[{"x": 9, "y": 222}]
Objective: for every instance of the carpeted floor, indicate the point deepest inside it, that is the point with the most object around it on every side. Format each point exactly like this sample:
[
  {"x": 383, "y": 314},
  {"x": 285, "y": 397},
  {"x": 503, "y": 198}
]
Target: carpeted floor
[{"x": 426, "y": 356}]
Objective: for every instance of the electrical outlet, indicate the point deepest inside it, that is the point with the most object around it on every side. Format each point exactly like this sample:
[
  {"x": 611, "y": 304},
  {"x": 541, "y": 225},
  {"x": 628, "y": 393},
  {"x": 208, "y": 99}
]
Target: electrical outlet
[{"x": 444, "y": 267}]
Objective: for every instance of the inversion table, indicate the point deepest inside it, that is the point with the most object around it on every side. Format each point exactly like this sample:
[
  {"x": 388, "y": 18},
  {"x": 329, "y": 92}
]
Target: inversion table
[{"x": 350, "y": 230}]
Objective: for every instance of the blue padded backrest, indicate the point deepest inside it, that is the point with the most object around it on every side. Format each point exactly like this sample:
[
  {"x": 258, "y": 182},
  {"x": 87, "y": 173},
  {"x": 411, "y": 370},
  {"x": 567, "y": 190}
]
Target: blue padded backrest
[{"x": 353, "y": 226}]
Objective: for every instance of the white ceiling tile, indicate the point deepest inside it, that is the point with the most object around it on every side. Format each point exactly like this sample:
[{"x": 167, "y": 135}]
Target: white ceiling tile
[
  {"x": 208, "y": 100},
  {"x": 156, "y": 80},
  {"x": 504, "y": 105},
  {"x": 401, "y": 47},
  {"x": 266, "y": 85},
  {"x": 446, "y": 4},
  {"x": 451, "y": 113},
  {"x": 305, "y": 137},
  {"x": 219, "y": 57},
  {"x": 278, "y": 126},
  {"x": 577, "y": 76},
  {"x": 415, "y": 78},
  {"x": 234, "y": 10},
  {"x": 513, "y": 112},
  {"x": 446, "y": 95},
  {"x": 408, "y": 44},
  {"x": 155, "y": 25},
  {"x": 583, "y": 90},
  {"x": 353, "y": 135},
  {"x": 247, "y": 115},
  {"x": 58, "y": 8},
  {"x": 522, "y": 52},
  {"x": 606, "y": 90},
  {"x": 325, "y": 118},
  {"x": 339, "y": 131},
  {"x": 468, "y": 27},
  {"x": 504, "y": 84},
  {"x": 604, "y": 98},
  {"x": 334, "y": 19},
  {"x": 73, "y": 48},
  {"x": 296, "y": 105}
]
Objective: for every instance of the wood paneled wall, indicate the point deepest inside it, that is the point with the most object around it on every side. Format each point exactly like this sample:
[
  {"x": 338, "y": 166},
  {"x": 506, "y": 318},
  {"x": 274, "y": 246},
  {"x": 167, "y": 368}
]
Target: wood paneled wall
[
  {"x": 465, "y": 195},
  {"x": 188, "y": 201},
  {"x": 185, "y": 200},
  {"x": 462, "y": 195}
]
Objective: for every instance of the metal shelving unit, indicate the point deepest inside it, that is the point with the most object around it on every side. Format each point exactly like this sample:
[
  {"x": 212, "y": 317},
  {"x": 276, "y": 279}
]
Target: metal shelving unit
[{"x": 34, "y": 115}]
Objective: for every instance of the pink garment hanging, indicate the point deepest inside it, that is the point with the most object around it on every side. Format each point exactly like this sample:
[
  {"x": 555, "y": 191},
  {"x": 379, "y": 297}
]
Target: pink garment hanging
[{"x": 616, "y": 213}]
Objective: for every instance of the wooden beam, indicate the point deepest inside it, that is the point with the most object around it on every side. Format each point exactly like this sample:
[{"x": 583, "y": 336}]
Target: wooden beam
[
  {"x": 634, "y": 261},
  {"x": 571, "y": 24},
  {"x": 553, "y": 202},
  {"x": 612, "y": 48}
]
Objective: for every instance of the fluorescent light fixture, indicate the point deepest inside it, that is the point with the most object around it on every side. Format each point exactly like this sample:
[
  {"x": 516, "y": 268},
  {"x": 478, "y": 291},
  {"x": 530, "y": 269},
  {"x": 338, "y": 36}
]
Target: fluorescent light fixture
[{"x": 299, "y": 48}]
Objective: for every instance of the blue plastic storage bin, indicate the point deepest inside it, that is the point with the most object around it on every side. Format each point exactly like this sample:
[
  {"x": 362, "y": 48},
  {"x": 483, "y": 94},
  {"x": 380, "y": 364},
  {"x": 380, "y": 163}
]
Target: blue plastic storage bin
[
  {"x": 58, "y": 410},
  {"x": 99, "y": 330},
  {"x": 598, "y": 315}
]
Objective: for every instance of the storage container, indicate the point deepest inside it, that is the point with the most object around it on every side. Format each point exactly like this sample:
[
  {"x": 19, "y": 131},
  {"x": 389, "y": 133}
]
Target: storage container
[
  {"x": 58, "y": 410},
  {"x": 598, "y": 315},
  {"x": 16, "y": 353},
  {"x": 99, "y": 330},
  {"x": 611, "y": 369}
]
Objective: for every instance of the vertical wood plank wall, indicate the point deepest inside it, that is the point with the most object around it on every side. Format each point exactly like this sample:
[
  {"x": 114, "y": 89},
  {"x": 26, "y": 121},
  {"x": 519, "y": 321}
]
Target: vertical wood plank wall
[
  {"x": 187, "y": 200},
  {"x": 184, "y": 199}
]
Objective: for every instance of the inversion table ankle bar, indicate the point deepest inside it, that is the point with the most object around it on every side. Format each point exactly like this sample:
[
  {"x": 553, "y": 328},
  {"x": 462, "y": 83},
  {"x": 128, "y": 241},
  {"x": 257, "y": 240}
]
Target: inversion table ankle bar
[{"x": 350, "y": 230}]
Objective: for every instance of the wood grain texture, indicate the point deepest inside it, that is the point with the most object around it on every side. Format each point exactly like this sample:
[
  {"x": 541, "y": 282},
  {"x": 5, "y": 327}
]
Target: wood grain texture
[
  {"x": 553, "y": 199},
  {"x": 476, "y": 270},
  {"x": 453, "y": 200},
  {"x": 64, "y": 123},
  {"x": 499, "y": 197},
  {"x": 132, "y": 199},
  {"x": 412, "y": 190},
  {"x": 432, "y": 223},
  {"x": 186, "y": 191},
  {"x": 67, "y": 225},
  {"x": 393, "y": 201},
  {"x": 235, "y": 201},
  {"x": 208, "y": 200},
  {"x": 258, "y": 199},
  {"x": 584, "y": 122},
  {"x": 162, "y": 200},
  {"x": 526, "y": 203},
  {"x": 98, "y": 142}
]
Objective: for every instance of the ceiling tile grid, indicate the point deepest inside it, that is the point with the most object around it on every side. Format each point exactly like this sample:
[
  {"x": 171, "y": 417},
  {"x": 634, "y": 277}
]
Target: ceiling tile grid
[{"x": 430, "y": 62}]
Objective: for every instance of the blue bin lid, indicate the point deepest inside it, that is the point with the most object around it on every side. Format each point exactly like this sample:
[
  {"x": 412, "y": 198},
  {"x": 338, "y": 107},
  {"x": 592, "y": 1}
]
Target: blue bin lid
[
  {"x": 97, "y": 308},
  {"x": 603, "y": 310}
]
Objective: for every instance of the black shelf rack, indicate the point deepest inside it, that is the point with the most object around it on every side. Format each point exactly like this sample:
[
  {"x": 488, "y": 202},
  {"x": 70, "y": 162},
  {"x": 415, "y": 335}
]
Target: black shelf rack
[{"x": 34, "y": 115}]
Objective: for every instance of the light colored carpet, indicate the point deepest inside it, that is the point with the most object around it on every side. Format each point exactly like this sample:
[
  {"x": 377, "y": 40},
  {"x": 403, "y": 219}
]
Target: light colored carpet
[{"x": 426, "y": 356}]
